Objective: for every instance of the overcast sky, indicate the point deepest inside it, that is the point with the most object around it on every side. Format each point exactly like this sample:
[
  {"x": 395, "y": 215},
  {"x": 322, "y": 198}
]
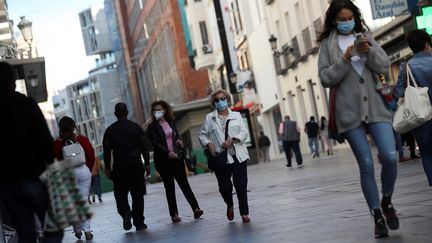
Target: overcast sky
[{"x": 57, "y": 34}]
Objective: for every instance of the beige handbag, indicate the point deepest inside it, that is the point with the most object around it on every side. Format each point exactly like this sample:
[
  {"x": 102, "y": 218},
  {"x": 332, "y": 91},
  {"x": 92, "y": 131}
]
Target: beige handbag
[{"x": 414, "y": 109}]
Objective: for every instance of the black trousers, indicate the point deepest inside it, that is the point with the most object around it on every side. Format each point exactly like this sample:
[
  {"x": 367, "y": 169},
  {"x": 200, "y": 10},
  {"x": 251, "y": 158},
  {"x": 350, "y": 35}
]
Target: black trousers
[
  {"x": 175, "y": 170},
  {"x": 408, "y": 137},
  {"x": 238, "y": 172},
  {"x": 292, "y": 145},
  {"x": 129, "y": 177}
]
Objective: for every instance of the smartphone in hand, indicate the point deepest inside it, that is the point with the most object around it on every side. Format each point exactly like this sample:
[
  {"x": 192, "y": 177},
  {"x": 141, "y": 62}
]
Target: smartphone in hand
[{"x": 359, "y": 39}]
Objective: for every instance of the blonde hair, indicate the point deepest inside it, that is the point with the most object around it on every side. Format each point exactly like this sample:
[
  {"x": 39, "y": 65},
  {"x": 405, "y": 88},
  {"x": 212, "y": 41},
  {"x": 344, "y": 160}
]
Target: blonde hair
[{"x": 216, "y": 92}]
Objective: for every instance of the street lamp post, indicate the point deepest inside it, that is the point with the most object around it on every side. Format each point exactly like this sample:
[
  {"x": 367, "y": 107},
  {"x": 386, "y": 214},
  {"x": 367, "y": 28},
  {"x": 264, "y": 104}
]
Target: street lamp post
[
  {"x": 25, "y": 26},
  {"x": 277, "y": 62},
  {"x": 11, "y": 52},
  {"x": 273, "y": 42}
]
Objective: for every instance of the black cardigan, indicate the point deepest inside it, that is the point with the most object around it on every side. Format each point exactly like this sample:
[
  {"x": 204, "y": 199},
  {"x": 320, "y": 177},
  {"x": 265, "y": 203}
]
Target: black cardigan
[{"x": 158, "y": 139}]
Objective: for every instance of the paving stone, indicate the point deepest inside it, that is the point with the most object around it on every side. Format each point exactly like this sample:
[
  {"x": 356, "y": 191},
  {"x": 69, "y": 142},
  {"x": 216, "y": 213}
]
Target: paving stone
[{"x": 321, "y": 202}]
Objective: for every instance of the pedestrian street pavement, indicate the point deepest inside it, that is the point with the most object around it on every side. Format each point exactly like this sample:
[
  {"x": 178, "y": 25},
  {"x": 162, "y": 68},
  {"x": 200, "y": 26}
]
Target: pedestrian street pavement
[{"x": 321, "y": 202}]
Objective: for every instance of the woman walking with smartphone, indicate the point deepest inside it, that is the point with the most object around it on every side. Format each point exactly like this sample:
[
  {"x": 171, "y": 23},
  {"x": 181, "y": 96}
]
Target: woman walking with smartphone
[{"x": 348, "y": 64}]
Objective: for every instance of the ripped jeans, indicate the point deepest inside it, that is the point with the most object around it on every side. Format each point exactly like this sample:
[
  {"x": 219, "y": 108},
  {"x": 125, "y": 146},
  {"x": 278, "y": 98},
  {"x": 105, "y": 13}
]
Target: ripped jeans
[{"x": 382, "y": 133}]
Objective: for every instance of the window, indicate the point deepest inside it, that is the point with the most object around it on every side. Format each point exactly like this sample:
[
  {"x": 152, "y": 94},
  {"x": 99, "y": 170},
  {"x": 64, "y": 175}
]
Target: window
[
  {"x": 296, "y": 48},
  {"x": 307, "y": 41},
  {"x": 204, "y": 34},
  {"x": 279, "y": 32},
  {"x": 236, "y": 16},
  {"x": 318, "y": 27},
  {"x": 288, "y": 25}
]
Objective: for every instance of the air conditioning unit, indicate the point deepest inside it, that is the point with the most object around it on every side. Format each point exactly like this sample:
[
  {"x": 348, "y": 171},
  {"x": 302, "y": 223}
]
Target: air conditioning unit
[
  {"x": 268, "y": 2},
  {"x": 207, "y": 48}
]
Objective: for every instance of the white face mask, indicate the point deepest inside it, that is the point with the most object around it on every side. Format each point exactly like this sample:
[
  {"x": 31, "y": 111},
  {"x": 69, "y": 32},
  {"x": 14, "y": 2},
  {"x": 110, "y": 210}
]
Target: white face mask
[{"x": 159, "y": 114}]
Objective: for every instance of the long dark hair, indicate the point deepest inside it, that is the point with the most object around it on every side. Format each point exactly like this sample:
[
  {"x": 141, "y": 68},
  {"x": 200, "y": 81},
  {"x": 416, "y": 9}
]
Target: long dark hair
[
  {"x": 67, "y": 127},
  {"x": 169, "y": 115},
  {"x": 330, "y": 20}
]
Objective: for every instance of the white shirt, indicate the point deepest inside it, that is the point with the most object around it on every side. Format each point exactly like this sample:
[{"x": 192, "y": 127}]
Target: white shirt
[
  {"x": 212, "y": 132},
  {"x": 358, "y": 61}
]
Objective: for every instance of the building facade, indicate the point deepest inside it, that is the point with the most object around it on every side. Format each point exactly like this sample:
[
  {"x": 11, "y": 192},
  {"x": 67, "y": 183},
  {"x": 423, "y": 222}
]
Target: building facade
[
  {"x": 296, "y": 25},
  {"x": 91, "y": 101},
  {"x": 6, "y": 25},
  {"x": 158, "y": 65}
]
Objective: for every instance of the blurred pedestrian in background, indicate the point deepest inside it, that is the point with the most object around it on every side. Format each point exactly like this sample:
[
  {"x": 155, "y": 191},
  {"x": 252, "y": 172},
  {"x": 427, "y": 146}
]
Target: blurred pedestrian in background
[
  {"x": 313, "y": 132},
  {"x": 328, "y": 144},
  {"x": 289, "y": 132},
  {"x": 264, "y": 145},
  {"x": 95, "y": 187}
]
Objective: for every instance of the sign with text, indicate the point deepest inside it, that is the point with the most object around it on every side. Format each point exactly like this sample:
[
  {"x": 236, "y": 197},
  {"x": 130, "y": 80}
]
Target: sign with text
[{"x": 388, "y": 8}]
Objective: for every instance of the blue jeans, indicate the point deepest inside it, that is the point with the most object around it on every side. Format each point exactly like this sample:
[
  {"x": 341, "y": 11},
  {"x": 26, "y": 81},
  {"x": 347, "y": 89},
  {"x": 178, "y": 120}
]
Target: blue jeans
[
  {"x": 314, "y": 146},
  {"x": 95, "y": 187},
  {"x": 22, "y": 199},
  {"x": 423, "y": 135},
  {"x": 382, "y": 133}
]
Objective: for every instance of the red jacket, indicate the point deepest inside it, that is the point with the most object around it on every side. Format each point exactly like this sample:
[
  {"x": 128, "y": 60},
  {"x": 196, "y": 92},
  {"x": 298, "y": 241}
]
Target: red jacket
[{"x": 84, "y": 142}]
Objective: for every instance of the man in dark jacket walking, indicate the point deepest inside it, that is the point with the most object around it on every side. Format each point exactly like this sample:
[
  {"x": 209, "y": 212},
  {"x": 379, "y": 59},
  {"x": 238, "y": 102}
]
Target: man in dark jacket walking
[
  {"x": 312, "y": 130},
  {"x": 264, "y": 145},
  {"x": 290, "y": 135},
  {"x": 127, "y": 141}
]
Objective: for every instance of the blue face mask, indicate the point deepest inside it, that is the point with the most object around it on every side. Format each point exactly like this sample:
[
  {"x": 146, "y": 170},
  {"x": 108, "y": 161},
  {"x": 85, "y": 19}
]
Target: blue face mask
[
  {"x": 345, "y": 27},
  {"x": 221, "y": 105}
]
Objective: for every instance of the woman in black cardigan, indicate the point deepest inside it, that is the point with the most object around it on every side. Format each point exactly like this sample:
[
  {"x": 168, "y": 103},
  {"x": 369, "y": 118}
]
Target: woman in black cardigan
[{"x": 166, "y": 141}]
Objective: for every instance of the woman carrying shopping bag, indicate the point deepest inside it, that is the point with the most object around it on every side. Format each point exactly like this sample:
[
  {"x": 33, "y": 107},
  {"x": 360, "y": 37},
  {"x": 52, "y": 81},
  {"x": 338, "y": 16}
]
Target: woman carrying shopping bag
[{"x": 420, "y": 43}]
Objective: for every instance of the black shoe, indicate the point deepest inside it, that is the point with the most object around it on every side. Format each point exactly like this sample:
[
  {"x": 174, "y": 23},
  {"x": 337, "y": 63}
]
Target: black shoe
[
  {"x": 391, "y": 217},
  {"x": 175, "y": 219},
  {"x": 197, "y": 213},
  {"x": 141, "y": 227},
  {"x": 381, "y": 230},
  {"x": 289, "y": 166},
  {"x": 78, "y": 234},
  {"x": 127, "y": 225},
  {"x": 88, "y": 235}
]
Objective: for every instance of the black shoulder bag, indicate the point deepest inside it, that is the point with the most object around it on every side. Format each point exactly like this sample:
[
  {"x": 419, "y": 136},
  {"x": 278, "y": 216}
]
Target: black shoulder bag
[{"x": 220, "y": 160}]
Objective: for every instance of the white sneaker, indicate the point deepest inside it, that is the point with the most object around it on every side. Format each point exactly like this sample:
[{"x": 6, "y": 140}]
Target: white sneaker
[{"x": 300, "y": 166}]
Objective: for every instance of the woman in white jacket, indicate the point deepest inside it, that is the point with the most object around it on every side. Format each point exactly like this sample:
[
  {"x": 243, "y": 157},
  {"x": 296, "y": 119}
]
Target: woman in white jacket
[{"x": 212, "y": 138}]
